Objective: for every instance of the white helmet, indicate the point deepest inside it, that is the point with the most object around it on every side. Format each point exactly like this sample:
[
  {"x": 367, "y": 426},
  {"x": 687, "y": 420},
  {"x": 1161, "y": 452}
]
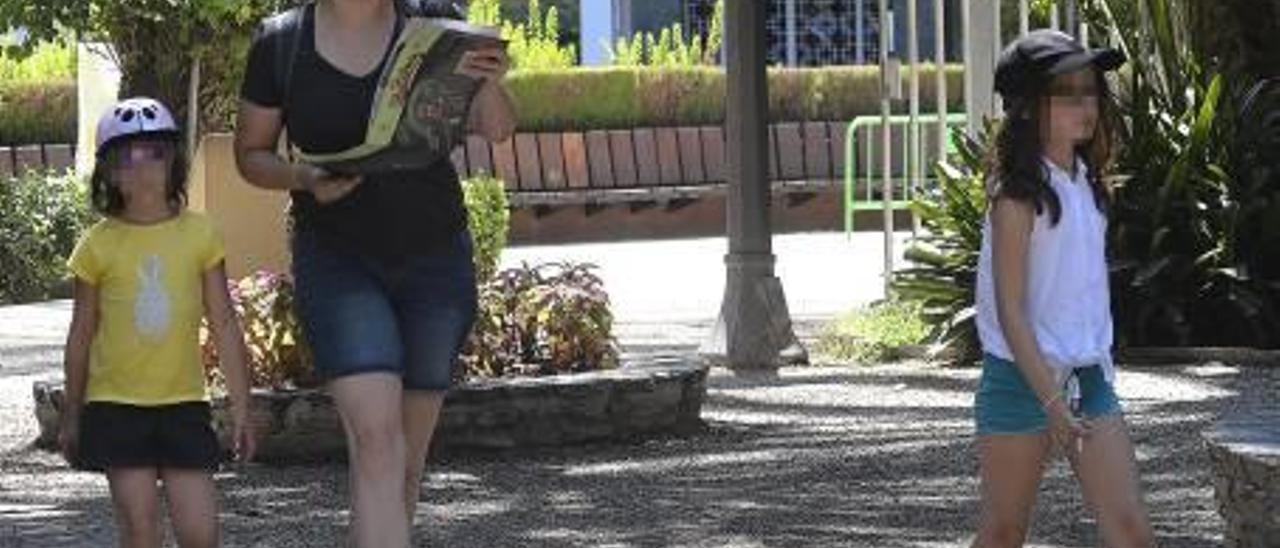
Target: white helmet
[{"x": 132, "y": 118}]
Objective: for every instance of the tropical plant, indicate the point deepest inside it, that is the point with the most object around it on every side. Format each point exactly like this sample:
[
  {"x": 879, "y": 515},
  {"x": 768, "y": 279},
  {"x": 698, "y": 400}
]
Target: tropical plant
[
  {"x": 944, "y": 257},
  {"x": 1181, "y": 274},
  {"x": 671, "y": 48}
]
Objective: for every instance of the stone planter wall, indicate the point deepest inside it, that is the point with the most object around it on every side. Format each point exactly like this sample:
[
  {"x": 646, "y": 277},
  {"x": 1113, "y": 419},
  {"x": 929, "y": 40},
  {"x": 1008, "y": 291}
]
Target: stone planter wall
[
  {"x": 622, "y": 404},
  {"x": 1245, "y": 452}
]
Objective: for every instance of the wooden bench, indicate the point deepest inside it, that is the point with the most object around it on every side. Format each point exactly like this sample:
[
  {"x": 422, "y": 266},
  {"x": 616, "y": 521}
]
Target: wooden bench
[
  {"x": 640, "y": 168},
  {"x": 644, "y": 168},
  {"x": 18, "y": 160}
]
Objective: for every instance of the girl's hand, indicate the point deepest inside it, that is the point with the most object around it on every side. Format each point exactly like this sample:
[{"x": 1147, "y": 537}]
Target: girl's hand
[
  {"x": 489, "y": 64},
  {"x": 69, "y": 436},
  {"x": 326, "y": 187},
  {"x": 244, "y": 441},
  {"x": 1067, "y": 432}
]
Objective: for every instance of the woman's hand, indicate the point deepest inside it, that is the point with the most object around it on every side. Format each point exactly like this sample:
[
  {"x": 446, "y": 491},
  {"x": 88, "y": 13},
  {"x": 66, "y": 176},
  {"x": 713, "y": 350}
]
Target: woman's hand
[
  {"x": 488, "y": 64},
  {"x": 325, "y": 186}
]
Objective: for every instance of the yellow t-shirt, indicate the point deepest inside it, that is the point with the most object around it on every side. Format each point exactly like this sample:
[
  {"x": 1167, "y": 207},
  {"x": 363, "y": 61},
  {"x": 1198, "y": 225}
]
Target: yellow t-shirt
[{"x": 146, "y": 350}]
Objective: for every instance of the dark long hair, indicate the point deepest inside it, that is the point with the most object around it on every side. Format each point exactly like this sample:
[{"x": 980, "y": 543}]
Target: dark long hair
[
  {"x": 105, "y": 193},
  {"x": 1016, "y": 163},
  {"x": 431, "y": 8}
]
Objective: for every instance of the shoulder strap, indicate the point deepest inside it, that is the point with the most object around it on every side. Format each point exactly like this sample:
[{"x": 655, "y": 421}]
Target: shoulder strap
[{"x": 287, "y": 29}]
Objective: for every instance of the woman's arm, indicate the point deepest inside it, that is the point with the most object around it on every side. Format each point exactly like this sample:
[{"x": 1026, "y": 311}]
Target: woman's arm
[
  {"x": 224, "y": 326},
  {"x": 75, "y": 363},
  {"x": 493, "y": 114},
  {"x": 257, "y": 134}
]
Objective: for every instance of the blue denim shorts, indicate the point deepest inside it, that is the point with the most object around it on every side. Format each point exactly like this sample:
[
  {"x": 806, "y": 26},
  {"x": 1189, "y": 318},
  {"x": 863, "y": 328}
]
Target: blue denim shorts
[
  {"x": 1005, "y": 403},
  {"x": 361, "y": 314}
]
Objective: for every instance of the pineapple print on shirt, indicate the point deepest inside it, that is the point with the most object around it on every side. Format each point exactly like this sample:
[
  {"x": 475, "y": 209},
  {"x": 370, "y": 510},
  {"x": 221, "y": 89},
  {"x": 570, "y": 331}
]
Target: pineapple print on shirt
[{"x": 151, "y": 309}]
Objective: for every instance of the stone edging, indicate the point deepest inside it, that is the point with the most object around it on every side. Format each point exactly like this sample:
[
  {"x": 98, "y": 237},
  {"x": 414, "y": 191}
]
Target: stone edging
[
  {"x": 1142, "y": 356},
  {"x": 1244, "y": 450},
  {"x": 621, "y": 404},
  {"x": 1179, "y": 356}
]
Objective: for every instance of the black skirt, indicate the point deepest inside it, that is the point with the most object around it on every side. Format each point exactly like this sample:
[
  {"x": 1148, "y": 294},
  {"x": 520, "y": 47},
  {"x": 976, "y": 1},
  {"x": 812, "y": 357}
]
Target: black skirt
[{"x": 115, "y": 435}]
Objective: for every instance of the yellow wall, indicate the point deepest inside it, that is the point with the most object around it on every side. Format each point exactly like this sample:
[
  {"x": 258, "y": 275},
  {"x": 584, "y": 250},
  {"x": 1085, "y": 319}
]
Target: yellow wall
[{"x": 252, "y": 220}]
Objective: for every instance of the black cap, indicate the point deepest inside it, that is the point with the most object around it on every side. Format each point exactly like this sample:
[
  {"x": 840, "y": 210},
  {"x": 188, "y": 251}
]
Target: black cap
[{"x": 1034, "y": 59}]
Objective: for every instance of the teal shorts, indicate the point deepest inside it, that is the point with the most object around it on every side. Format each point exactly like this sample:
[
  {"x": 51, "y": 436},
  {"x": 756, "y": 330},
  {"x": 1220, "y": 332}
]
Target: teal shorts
[{"x": 1005, "y": 403}]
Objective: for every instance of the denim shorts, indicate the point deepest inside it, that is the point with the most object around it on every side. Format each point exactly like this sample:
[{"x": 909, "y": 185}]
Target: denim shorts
[
  {"x": 361, "y": 314},
  {"x": 1005, "y": 403}
]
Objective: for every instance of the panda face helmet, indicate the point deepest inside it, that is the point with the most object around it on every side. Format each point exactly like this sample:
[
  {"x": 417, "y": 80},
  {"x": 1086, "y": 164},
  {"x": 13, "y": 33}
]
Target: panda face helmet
[{"x": 141, "y": 127}]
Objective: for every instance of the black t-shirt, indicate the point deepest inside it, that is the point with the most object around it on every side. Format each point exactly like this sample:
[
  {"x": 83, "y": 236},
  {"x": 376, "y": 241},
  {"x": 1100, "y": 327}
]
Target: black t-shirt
[{"x": 327, "y": 110}]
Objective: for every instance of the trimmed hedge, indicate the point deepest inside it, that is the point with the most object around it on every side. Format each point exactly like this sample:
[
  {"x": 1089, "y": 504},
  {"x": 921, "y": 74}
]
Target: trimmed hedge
[
  {"x": 572, "y": 99},
  {"x": 621, "y": 97},
  {"x": 37, "y": 113}
]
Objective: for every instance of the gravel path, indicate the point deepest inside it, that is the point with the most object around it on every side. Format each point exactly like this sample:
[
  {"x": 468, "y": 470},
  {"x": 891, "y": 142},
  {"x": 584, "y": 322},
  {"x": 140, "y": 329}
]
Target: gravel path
[{"x": 818, "y": 457}]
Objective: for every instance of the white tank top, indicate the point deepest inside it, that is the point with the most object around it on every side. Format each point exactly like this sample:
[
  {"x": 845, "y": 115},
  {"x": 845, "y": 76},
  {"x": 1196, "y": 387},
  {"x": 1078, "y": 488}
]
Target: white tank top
[{"x": 1068, "y": 302}]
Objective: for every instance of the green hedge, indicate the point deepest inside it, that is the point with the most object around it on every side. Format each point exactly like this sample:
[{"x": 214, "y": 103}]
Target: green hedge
[
  {"x": 620, "y": 97},
  {"x": 570, "y": 99},
  {"x": 37, "y": 113}
]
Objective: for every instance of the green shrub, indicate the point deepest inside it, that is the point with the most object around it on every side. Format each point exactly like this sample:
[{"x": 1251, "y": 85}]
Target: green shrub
[
  {"x": 534, "y": 43},
  {"x": 41, "y": 217},
  {"x": 488, "y": 217},
  {"x": 37, "y": 112},
  {"x": 869, "y": 335},
  {"x": 620, "y": 97},
  {"x": 943, "y": 271},
  {"x": 49, "y": 62}
]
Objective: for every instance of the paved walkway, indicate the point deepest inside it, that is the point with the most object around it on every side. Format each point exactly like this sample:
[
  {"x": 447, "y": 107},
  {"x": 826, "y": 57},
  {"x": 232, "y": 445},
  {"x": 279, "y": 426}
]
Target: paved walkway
[
  {"x": 678, "y": 280},
  {"x": 819, "y": 457}
]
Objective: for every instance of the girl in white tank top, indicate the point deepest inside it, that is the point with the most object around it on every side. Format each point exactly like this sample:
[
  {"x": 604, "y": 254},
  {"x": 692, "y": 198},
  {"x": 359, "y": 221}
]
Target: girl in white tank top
[{"x": 1044, "y": 314}]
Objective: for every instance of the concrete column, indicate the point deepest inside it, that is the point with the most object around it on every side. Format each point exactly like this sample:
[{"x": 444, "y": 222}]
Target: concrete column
[{"x": 754, "y": 326}]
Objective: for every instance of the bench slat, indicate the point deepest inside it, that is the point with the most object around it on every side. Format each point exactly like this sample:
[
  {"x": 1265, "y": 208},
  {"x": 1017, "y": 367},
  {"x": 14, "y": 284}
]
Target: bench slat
[
  {"x": 576, "y": 170},
  {"x": 624, "y": 158},
  {"x": 527, "y": 162},
  {"x": 479, "y": 157},
  {"x": 790, "y": 151},
  {"x": 599, "y": 158},
  {"x": 713, "y": 153},
  {"x": 669, "y": 156},
  {"x": 504, "y": 163},
  {"x": 690, "y": 139},
  {"x": 646, "y": 147},
  {"x": 28, "y": 158},
  {"x": 817, "y": 151},
  {"x": 552, "y": 158}
]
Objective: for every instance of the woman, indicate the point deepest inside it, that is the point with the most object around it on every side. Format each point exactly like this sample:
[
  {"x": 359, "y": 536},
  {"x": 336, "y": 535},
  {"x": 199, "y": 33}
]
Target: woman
[{"x": 385, "y": 283}]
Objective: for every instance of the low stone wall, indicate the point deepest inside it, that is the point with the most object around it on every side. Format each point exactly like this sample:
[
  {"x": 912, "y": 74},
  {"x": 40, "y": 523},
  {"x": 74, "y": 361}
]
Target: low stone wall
[
  {"x": 621, "y": 404},
  {"x": 1245, "y": 452}
]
